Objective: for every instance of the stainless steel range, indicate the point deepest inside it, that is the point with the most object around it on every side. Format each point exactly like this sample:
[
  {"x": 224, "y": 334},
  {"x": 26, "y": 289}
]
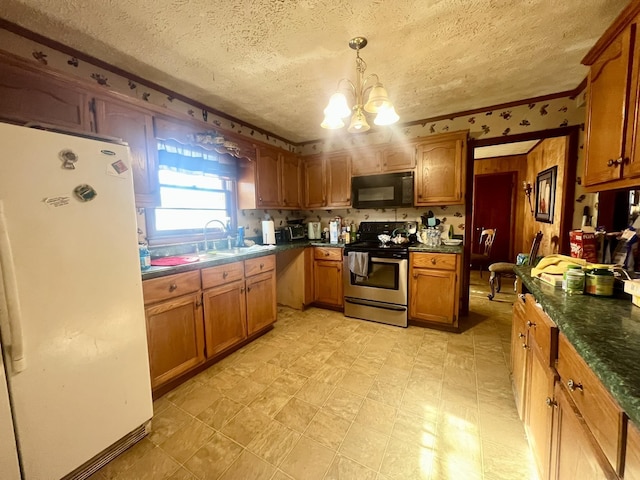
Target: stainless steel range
[{"x": 381, "y": 294}]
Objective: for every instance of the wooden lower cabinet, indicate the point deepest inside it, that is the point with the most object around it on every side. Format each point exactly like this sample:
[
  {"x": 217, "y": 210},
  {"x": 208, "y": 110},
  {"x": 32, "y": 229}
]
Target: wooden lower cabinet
[
  {"x": 632, "y": 457},
  {"x": 575, "y": 453},
  {"x": 434, "y": 272},
  {"x": 539, "y": 412},
  {"x": 175, "y": 336},
  {"x": 519, "y": 349},
  {"x": 225, "y": 312},
  {"x": 261, "y": 301},
  {"x": 327, "y": 277}
]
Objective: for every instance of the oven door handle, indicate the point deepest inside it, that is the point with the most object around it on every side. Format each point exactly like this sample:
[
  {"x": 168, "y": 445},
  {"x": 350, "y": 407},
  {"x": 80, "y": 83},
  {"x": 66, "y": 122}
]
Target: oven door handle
[
  {"x": 387, "y": 260},
  {"x": 369, "y": 303}
]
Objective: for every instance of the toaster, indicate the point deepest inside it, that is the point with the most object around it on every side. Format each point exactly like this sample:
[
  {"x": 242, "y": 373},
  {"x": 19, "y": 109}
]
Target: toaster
[{"x": 294, "y": 232}]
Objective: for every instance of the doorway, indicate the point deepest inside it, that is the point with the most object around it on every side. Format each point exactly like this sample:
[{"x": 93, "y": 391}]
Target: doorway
[{"x": 494, "y": 207}]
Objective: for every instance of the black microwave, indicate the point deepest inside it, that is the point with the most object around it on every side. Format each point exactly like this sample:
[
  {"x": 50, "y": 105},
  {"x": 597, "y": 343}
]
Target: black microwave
[{"x": 383, "y": 191}]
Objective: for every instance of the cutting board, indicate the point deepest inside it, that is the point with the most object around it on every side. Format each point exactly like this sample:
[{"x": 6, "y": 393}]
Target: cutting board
[{"x": 173, "y": 261}]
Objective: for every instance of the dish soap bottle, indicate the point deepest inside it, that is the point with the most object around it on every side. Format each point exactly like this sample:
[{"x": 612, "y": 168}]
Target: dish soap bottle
[{"x": 145, "y": 257}]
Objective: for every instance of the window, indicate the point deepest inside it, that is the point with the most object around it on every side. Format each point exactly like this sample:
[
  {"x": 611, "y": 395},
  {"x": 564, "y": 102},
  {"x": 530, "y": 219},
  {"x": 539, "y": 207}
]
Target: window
[{"x": 196, "y": 186}]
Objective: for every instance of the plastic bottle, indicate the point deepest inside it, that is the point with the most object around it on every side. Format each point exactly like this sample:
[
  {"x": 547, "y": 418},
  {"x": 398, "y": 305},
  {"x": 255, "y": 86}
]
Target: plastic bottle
[{"x": 145, "y": 257}]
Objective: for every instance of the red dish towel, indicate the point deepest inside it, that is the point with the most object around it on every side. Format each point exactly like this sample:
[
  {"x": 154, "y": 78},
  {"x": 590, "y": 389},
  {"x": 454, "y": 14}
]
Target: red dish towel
[{"x": 173, "y": 261}]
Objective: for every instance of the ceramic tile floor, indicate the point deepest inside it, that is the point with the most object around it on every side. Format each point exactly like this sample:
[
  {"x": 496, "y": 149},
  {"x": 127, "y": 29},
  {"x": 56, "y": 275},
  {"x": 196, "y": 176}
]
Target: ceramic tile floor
[{"x": 322, "y": 396}]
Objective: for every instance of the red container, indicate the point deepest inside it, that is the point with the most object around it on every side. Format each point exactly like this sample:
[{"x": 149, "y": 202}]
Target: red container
[{"x": 583, "y": 245}]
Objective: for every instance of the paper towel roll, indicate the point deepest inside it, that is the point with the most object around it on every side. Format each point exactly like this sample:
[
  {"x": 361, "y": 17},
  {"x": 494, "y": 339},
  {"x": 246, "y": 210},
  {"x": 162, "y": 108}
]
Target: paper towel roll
[{"x": 268, "y": 232}]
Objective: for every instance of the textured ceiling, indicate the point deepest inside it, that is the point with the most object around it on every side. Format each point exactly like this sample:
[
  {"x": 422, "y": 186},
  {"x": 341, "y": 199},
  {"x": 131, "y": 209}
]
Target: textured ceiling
[{"x": 274, "y": 63}]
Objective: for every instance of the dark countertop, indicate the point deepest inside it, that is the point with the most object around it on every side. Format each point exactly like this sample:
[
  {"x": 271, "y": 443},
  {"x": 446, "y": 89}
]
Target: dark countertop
[
  {"x": 441, "y": 249},
  {"x": 605, "y": 331},
  {"x": 223, "y": 257}
]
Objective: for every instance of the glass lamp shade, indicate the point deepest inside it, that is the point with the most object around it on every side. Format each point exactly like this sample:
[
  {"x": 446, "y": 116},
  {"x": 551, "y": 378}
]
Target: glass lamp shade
[
  {"x": 332, "y": 123},
  {"x": 358, "y": 122},
  {"x": 378, "y": 99},
  {"x": 337, "y": 107},
  {"x": 386, "y": 116}
]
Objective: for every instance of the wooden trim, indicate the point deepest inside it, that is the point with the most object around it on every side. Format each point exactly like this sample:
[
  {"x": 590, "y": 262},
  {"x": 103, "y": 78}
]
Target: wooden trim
[
  {"x": 521, "y": 137},
  {"x": 36, "y": 37},
  {"x": 619, "y": 24}
]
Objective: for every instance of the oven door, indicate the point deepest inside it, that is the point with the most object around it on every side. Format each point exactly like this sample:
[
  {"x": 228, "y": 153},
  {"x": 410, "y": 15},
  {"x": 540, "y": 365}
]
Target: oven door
[{"x": 386, "y": 282}]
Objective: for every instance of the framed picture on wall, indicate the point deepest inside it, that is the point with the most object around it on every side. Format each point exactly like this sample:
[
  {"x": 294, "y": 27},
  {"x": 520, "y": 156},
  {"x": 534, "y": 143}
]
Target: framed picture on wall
[{"x": 546, "y": 194}]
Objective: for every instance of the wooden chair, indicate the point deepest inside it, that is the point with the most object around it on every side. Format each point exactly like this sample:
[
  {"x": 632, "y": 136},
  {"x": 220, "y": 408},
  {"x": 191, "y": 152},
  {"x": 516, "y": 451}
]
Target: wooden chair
[
  {"x": 504, "y": 269},
  {"x": 487, "y": 236}
]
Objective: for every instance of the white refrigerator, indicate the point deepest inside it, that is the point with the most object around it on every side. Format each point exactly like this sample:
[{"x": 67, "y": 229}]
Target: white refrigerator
[{"x": 74, "y": 378}]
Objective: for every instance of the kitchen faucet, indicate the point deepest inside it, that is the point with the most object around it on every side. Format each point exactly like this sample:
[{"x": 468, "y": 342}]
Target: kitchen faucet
[{"x": 204, "y": 232}]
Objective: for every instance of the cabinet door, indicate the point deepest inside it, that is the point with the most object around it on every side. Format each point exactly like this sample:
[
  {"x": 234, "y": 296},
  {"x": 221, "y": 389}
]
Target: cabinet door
[
  {"x": 290, "y": 181},
  {"x": 540, "y": 382},
  {"x": 398, "y": 158},
  {"x": 28, "y": 96},
  {"x": 136, "y": 128},
  {"x": 424, "y": 305},
  {"x": 224, "y": 317},
  {"x": 607, "y": 97},
  {"x": 519, "y": 349},
  {"x": 327, "y": 282},
  {"x": 261, "y": 301},
  {"x": 314, "y": 182},
  {"x": 365, "y": 161},
  {"x": 575, "y": 455},
  {"x": 339, "y": 180},
  {"x": 268, "y": 178},
  {"x": 632, "y": 463},
  {"x": 176, "y": 337},
  {"x": 440, "y": 172}
]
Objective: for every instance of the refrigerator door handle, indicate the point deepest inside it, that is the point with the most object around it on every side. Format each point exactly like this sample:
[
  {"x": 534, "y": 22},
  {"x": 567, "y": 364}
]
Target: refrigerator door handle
[{"x": 10, "y": 314}]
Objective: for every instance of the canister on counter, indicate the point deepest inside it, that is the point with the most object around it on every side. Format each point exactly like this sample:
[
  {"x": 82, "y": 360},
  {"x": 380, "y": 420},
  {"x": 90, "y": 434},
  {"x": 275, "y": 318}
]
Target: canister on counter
[
  {"x": 599, "y": 282},
  {"x": 573, "y": 280}
]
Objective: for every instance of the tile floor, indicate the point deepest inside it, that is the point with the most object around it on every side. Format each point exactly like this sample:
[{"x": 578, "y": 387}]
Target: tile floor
[{"x": 322, "y": 396}]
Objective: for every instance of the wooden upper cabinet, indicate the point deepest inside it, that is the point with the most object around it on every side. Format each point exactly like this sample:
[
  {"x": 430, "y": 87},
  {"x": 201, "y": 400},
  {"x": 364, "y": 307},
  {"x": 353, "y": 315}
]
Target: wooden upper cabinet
[
  {"x": 268, "y": 177},
  {"x": 608, "y": 103},
  {"x": 313, "y": 178},
  {"x": 398, "y": 157},
  {"x": 290, "y": 163},
  {"x": 365, "y": 161},
  {"x": 35, "y": 96},
  {"x": 134, "y": 126},
  {"x": 440, "y": 170},
  {"x": 338, "y": 180}
]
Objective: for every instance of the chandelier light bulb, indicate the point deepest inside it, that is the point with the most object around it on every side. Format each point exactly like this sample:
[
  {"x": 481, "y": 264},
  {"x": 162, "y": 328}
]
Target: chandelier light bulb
[
  {"x": 332, "y": 123},
  {"x": 358, "y": 122},
  {"x": 338, "y": 106},
  {"x": 378, "y": 99},
  {"x": 386, "y": 116}
]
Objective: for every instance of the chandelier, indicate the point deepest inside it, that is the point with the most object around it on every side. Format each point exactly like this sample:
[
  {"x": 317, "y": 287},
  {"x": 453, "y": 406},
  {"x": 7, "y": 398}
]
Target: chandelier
[{"x": 377, "y": 102}]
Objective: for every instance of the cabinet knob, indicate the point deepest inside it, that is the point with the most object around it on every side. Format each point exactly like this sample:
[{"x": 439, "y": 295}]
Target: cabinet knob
[
  {"x": 530, "y": 324},
  {"x": 573, "y": 386},
  {"x": 173, "y": 287},
  {"x": 433, "y": 261},
  {"x": 261, "y": 266},
  {"x": 522, "y": 297},
  {"x": 241, "y": 289},
  {"x": 521, "y": 335},
  {"x": 551, "y": 403},
  {"x": 198, "y": 303},
  {"x": 225, "y": 274},
  {"x": 617, "y": 161},
  {"x": 525, "y": 346},
  {"x": 248, "y": 289},
  {"x": 326, "y": 254},
  {"x": 260, "y": 198}
]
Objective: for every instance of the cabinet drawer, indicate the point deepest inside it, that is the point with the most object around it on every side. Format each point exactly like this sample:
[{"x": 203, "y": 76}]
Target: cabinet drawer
[
  {"x": 441, "y": 261},
  {"x": 542, "y": 330},
  {"x": 599, "y": 410},
  {"x": 171, "y": 286},
  {"x": 328, "y": 253},
  {"x": 258, "y": 265},
  {"x": 215, "y": 276}
]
